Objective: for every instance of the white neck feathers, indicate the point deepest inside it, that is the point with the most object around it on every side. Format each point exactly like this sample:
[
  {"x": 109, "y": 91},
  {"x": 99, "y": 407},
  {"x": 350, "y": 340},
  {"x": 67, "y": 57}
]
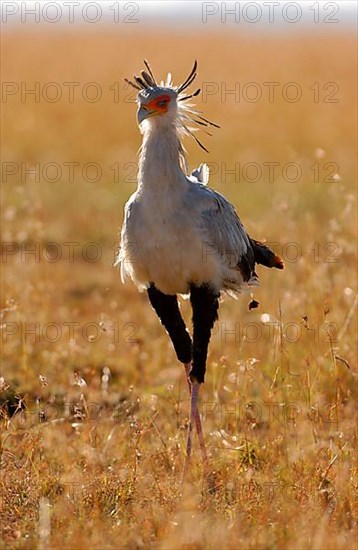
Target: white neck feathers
[{"x": 160, "y": 158}]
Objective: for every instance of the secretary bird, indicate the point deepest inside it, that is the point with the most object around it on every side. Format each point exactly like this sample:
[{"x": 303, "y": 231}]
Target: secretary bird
[{"x": 181, "y": 237}]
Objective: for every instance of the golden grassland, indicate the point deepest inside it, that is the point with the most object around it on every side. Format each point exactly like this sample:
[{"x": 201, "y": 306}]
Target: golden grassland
[{"x": 95, "y": 406}]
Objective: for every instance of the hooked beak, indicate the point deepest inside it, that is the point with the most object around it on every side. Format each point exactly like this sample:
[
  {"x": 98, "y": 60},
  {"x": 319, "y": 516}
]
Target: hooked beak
[{"x": 143, "y": 113}]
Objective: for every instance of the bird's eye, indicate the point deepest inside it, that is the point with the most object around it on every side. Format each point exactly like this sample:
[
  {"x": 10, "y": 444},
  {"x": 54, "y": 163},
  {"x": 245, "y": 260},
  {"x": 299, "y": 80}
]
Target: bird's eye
[{"x": 162, "y": 102}]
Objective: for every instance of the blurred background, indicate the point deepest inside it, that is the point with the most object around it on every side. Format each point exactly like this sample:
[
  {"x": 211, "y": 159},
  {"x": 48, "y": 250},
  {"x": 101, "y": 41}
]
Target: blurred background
[
  {"x": 280, "y": 80},
  {"x": 283, "y": 94}
]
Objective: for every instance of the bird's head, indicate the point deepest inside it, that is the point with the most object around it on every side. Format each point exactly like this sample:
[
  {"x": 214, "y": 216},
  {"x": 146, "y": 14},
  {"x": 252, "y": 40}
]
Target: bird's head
[
  {"x": 167, "y": 103},
  {"x": 157, "y": 101}
]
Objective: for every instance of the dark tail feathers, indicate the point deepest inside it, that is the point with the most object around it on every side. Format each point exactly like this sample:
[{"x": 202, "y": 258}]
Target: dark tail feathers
[{"x": 265, "y": 256}]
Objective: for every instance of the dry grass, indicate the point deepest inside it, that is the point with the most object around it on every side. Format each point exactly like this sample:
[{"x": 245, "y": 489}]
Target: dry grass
[{"x": 99, "y": 465}]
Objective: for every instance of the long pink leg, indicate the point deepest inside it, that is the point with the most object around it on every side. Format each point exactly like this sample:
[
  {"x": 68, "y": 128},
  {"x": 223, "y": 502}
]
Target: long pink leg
[{"x": 194, "y": 417}]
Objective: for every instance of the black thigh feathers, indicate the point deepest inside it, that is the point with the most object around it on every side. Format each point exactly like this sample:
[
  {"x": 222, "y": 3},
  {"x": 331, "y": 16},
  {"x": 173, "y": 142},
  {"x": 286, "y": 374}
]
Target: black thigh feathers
[
  {"x": 205, "y": 305},
  {"x": 167, "y": 309}
]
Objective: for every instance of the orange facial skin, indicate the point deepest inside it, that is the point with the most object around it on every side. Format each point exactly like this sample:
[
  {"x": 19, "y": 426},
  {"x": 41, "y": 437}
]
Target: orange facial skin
[{"x": 159, "y": 104}]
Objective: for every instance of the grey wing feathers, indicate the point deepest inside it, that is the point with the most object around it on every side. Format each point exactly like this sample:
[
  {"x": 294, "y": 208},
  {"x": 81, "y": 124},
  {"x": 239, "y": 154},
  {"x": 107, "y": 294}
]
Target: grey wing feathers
[{"x": 225, "y": 234}]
